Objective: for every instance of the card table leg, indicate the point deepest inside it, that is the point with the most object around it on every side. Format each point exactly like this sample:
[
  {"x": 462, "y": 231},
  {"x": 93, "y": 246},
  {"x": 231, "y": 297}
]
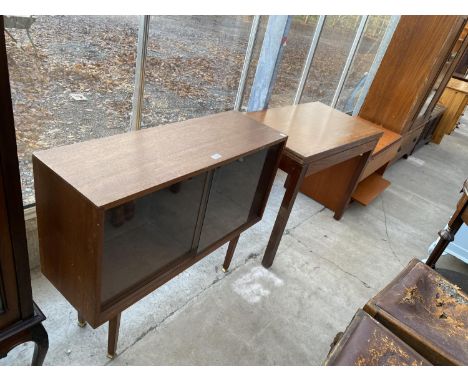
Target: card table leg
[
  {"x": 339, "y": 211},
  {"x": 295, "y": 177}
]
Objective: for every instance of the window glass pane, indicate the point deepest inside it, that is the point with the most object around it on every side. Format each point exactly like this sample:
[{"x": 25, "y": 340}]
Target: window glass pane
[
  {"x": 332, "y": 50},
  {"x": 292, "y": 63},
  {"x": 71, "y": 80},
  {"x": 373, "y": 33},
  {"x": 193, "y": 66},
  {"x": 440, "y": 77}
]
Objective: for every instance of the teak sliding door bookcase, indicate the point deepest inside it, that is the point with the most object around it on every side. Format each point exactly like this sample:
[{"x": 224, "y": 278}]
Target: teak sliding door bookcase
[{"x": 120, "y": 216}]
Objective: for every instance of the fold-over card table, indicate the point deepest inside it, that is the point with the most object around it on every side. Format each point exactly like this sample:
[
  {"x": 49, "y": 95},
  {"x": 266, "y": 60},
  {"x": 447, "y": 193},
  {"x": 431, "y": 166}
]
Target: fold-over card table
[{"x": 319, "y": 137}]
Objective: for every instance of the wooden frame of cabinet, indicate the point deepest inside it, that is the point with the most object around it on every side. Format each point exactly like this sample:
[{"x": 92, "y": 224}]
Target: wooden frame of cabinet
[
  {"x": 429, "y": 127},
  {"x": 455, "y": 99},
  {"x": 168, "y": 196},
  {"x": 20, "y": 318},
  {"x": 413, "y": 75},
  {"x": 409, "y": 69}
]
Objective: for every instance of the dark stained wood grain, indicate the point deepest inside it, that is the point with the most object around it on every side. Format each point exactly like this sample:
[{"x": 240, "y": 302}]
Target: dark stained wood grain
[
  {"x": 70, "y": 234},
  {"x": 8, "y": 286},
  {"x": 114, "y": 326},
  {"x": 20, "y": 318},
  {"x": 447, "y": 235},
  {"x": 229, "y": 253},
  {"x": 91, "y": 217},
  {"x": 109, "y": 171}
]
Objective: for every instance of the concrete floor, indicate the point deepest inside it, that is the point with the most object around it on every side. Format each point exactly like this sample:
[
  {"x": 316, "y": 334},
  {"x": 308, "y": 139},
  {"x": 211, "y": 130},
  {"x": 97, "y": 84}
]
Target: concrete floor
[{"x": 324, "y": 271}]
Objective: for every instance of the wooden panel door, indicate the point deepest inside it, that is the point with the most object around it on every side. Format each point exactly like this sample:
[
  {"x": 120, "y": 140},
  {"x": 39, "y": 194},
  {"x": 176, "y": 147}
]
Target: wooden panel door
[
  {"x": 14, "y": 261},
  {"x": 415, "y": 56},
  {"x": 9, "y": 307}
]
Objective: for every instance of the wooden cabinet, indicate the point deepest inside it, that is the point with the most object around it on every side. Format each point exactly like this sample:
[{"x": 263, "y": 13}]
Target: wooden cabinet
[
  {"x": 409, "y": 70},
  {"x": 413, "y": 75},
  {"x": 429, "y": 127},
  {"x": 455, "y": 99},
  {"x": 20, "y": 318},
  {"x": 120, "y": 216},
  {"x": 371, "y": 182}
]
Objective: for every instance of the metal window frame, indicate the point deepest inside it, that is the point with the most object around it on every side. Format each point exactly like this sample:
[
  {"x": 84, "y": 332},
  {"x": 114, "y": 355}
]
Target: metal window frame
[
  {"x": 376, "y": 63},
  {"x": 350, "y": 59},
  {"x": 309, "y": 58},
  {"x": 247, "y": 60},
  {"x": 273, "y": 44},
  {"x": 139, "y": 87}
]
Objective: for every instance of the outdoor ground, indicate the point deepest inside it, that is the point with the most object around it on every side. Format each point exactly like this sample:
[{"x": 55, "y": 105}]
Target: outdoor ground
[
  {"x": 77, "y": 83},
  {"x": 288, "y": 315}
]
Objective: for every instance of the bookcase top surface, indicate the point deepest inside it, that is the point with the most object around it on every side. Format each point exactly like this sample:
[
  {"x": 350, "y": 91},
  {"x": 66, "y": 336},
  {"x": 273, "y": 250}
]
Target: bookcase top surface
[
  {"x": 122, "y": 167},
  {"x": 316, "y": 130}
]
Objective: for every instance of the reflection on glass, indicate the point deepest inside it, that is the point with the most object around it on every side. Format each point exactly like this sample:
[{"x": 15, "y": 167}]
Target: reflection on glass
[
  {"x": 231, "y": 196},
  {"x": 71, "y": 80},
  {"x": 330, "y": 56},
  {"x": 437, "y": 83},
  {"x": 193, "y": 66},
  {"x": 292, "y": 61},
  {"x": 143, "y": 236},
  {"x": 374, "y": 31}
]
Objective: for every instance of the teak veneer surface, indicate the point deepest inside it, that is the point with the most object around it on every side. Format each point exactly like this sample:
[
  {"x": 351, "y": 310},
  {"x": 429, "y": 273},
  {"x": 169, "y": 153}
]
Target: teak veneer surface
[
  {"x": 386, "y": 140},
  {"x": 110, "y": 170},
  {"x": 413, "y": 59},
  {"x": 316, "y": 130},
  {"x": 458, "y": 85}
]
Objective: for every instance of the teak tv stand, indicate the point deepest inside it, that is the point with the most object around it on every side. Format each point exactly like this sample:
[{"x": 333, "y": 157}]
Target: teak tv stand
[{"x": 120, "y": 216}]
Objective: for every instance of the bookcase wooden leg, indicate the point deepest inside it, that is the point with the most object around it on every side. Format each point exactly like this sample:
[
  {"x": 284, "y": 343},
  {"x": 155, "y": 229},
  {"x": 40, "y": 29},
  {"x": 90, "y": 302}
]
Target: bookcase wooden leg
[
  {"x": 113, "y": 337},
  {"x": 230, "y": 252},
  {"x": 81, "y": 321},
  {"x": 41, "y": 344}
]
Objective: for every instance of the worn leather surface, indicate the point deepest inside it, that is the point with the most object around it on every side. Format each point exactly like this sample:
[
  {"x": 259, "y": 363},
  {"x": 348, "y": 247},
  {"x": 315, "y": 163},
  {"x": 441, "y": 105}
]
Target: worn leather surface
[
  {"x": 434, "y": 310},
  {"x": 368, "y": 343}
]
